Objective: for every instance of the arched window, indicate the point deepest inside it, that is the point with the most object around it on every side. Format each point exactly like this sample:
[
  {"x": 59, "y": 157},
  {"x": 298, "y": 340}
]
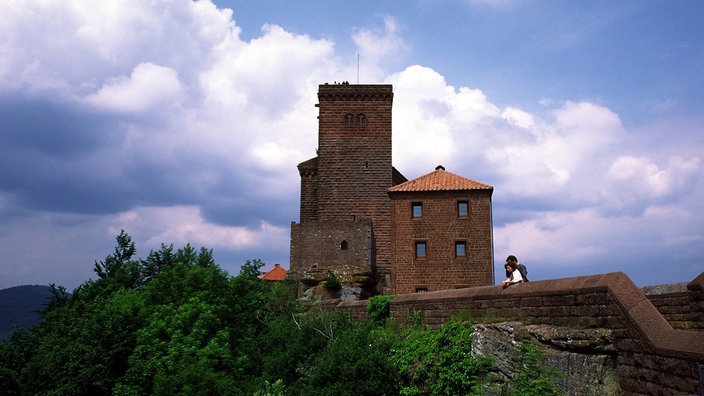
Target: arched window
[
  {"x": 343, "y": 245},
  {"x": 361, "y": 120}
]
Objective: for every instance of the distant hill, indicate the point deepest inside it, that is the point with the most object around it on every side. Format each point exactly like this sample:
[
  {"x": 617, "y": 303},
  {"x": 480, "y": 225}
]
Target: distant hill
[{"x": 18, "y": 306}]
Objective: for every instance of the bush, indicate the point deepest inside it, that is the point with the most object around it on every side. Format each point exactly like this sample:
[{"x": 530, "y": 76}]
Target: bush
[
  {"x": 378, "y": 308},
  {"x": 332, "y": 283},
  {"x": 439, "y": 362}
]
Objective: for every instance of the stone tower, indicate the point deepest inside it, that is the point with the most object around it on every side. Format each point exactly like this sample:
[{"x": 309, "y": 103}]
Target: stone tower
[{"x": 345, "y": 226}]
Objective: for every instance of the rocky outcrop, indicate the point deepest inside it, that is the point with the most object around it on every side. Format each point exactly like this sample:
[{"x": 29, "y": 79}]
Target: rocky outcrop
[{"x": 586, "y": 357}]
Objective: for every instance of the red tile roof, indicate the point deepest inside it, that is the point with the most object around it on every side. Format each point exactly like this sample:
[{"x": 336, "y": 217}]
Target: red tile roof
[
  {"x": 440, "y": 180},
  {"x": 278, "y": 273}
]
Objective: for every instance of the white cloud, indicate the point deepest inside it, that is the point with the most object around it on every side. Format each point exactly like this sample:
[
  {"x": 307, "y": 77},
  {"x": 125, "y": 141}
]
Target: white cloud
[
  {"x": 434, "y": 122},
  {"x": 640, "y": 180},
  {"x": 580, "y": 198},
  {"x": 562, "y": 151},
  {"x": 201, "y": 116},
  {"x": 518, "y": 117},
  {"x": 185, "y": 224},
  {"x": 376, "y": 46},
  {"x": 148, "y": 86}
]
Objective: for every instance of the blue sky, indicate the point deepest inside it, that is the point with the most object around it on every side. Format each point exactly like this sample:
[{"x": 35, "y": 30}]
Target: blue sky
[{"x": 182, "y": 122}]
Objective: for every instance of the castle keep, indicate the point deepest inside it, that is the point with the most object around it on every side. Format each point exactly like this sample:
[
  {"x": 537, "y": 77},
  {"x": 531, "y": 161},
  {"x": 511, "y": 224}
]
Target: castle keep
[{"x": 362, "y": 221}]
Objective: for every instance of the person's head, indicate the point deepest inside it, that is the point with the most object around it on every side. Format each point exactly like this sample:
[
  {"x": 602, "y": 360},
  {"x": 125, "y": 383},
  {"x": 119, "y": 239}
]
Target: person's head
[
  {"x": 511, "y": 259},
  {"x": 508, "y": 268}
]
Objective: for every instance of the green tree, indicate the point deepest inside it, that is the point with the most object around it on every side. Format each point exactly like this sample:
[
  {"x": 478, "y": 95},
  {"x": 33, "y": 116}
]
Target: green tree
[
  {"x": 183, "y": 350},
  {"x": 186, "y": 345},
  {"x": 355, "y": 362},
  {"x": 176, "y": 323},
  {"x": 114, "y": 264}
]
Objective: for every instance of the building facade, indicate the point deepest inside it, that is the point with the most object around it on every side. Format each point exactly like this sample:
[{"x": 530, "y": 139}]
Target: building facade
[
  {"x": 442, "y": 233},
  {"x": 347, "y": 221}
]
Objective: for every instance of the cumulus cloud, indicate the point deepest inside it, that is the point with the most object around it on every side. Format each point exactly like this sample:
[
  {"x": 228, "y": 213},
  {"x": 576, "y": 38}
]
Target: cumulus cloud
[
  {"x": 641, "y": 182},
  {"x": 158, "y": 118},
  {"x": 185, "y": 224},
  {"x": 148, "y": 86},
  {"x": 566, "y": 192}
]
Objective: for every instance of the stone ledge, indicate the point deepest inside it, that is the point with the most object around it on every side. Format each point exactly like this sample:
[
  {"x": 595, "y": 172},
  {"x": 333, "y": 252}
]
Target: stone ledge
[{"x": 655, "y": 332}]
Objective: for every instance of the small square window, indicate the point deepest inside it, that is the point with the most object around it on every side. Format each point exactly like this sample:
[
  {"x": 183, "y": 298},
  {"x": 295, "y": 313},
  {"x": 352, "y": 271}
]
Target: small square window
[
  {"x": 462, "y": 208},
  {"x": 417, "y": 209},
  {"x": 460, "y": 248},
  {"x": 420, "y": 249}
]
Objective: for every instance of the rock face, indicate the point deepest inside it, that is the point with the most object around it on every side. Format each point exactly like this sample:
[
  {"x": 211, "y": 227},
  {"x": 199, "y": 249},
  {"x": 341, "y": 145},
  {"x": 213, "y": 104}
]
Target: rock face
[{"x": 586, "y": 357}]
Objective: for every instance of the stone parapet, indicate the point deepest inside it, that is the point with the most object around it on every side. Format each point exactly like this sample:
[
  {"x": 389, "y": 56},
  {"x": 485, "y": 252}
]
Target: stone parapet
[{"x": 653, "y": 357}]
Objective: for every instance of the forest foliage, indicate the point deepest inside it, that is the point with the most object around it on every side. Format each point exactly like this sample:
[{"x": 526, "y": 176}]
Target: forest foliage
[{"x": 175, "y": 323}]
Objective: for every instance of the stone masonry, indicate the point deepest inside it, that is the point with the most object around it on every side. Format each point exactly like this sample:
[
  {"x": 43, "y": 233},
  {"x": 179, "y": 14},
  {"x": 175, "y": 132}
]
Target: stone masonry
[
  {"x": 348, "y": 227},
  {"x": 651, "y": 357}
]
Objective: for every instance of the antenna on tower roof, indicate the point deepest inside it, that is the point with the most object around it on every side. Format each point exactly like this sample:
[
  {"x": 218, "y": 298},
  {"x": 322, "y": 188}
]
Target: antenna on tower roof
[{"x": 358, "y": 68}]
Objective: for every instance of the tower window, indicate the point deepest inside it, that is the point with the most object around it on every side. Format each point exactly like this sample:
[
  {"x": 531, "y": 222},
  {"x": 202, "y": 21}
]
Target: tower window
[
  {"x": 361, "y": 120},
  {"x": 421, "y": 249},
  {"x": 343, "y": 245},
  {"x": 460, "y": 249},
  {"x": 417, "y": 209},
  {"x": 462, "y": 208},
  {"x": 349, "y": 120}
]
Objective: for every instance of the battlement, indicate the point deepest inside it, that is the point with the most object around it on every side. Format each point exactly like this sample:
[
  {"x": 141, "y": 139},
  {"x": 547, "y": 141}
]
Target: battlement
[{"x": 346, "y": 91}]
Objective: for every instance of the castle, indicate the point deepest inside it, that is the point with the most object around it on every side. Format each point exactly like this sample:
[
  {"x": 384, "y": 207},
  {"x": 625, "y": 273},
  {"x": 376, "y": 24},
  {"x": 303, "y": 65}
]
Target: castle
[{"x": 375, "y": 231}]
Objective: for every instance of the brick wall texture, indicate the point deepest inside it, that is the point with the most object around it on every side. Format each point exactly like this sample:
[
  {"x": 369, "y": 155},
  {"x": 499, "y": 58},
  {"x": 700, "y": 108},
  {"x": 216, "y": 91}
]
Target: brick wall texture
[
  {"x": 653, "y": 357},
  {"x": 348, "y": 183},
  {"x": 441, "y": 228}
]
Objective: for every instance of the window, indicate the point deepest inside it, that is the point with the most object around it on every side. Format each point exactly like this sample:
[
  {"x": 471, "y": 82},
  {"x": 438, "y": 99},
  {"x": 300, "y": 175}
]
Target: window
[
  {"x": 421, "y": 289},
  {"x": 343, "y": 245},
  {"x": 417, "y": 209},
  {"x": 355, "y": 121},
  {"x": 420, "y": 249},
  {"x": 361, "y": 120},
  {"x": 462, "y": 208},
  {"x": 460, "y": 248}
]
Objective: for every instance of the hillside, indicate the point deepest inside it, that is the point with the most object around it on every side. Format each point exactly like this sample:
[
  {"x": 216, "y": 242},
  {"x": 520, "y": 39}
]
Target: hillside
[{"x": 18, "y": 306}]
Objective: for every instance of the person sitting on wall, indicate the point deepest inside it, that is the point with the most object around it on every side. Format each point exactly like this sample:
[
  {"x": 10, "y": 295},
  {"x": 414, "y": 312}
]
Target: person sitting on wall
[
  {"x": 514, "y": 277},
  {"x": 522, "y": 268}
]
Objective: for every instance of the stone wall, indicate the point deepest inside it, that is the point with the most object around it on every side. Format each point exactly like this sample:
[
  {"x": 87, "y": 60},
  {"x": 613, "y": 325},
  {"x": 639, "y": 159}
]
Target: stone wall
[
  {"x": 651, "y": 357},
  {"x": 348, "y": 180},
  {"x": 344, "y": 248},
  {"x": 682, "y": 304}
]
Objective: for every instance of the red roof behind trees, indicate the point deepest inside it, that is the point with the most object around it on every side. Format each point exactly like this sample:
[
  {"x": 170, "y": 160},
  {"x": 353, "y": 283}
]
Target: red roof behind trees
[{"x": 278, "y": 273}]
